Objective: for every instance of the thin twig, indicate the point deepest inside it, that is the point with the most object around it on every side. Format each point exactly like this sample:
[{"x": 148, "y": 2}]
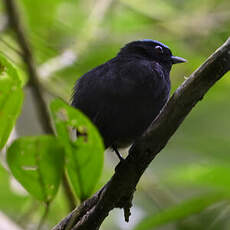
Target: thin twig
[
  {"x": 69, "y": 193},
  {"x": 29, "y": 60}
]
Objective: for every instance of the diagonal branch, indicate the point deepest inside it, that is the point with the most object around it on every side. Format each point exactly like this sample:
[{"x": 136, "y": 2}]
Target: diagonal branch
[{"x": 91, "y": 214}]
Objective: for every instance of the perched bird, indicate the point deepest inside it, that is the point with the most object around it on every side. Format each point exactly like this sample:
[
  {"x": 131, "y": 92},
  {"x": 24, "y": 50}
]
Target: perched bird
[{"x": 124, "y": 95}]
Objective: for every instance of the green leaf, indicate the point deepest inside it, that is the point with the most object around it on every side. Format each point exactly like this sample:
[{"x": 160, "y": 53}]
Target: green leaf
[
  {"x": 214, "y": 177},
  {"x": 84, "y": 156},
  {"x": 11, "y": 98},
  {"x": 37, "y": 163},
  {"x": 9, "y": 198},
  {"x": 180, "y": 211},
  {"x": 206, "y": 175}
]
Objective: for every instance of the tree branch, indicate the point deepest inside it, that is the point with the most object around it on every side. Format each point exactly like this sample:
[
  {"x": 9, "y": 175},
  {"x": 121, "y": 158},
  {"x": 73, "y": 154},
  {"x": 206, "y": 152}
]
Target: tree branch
[{"x": 91, "y": 214}]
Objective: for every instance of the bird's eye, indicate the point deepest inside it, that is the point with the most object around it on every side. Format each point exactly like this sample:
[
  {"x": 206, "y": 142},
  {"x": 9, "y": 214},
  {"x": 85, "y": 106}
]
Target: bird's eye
[{"x": 159, "y": 49}]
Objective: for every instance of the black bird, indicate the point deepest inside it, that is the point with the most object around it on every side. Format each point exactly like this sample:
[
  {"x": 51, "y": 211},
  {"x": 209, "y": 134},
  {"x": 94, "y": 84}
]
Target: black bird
[{"x": 124, "y": 95}]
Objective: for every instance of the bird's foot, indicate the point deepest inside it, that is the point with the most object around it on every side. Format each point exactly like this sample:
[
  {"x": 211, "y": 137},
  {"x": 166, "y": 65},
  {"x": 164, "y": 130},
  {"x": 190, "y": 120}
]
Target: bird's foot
[{"x": 117, "y": 153}]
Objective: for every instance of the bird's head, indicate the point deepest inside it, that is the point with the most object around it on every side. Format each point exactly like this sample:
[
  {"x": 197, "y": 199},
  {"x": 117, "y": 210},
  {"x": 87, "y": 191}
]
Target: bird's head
[{"x": 151, "y": 50}]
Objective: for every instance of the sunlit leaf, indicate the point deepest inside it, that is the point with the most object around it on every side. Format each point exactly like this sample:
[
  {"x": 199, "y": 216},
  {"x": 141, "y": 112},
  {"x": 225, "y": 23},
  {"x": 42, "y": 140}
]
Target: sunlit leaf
[
  {"x": 84, "y": 158},
  {"x": 207, "y": 175},
  {"x": 37, "y": 163},
  {"x": 11, "y": 98},
  {"x": 180, "y": 211}
]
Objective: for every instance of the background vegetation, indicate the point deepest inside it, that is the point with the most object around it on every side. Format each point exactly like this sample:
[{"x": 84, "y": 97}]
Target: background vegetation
[{"x": 187, "y": 186}]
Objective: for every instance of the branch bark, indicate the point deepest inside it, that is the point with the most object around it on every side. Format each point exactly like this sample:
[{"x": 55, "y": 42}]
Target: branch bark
[{"x": 91, "y": 214}]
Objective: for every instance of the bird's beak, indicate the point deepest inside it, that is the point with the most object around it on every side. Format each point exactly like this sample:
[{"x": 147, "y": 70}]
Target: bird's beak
[{"x": 176, "y": 59}]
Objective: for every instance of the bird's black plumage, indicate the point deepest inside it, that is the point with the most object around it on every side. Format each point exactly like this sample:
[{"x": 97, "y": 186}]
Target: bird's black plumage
[{"x": 124, "y": 95}]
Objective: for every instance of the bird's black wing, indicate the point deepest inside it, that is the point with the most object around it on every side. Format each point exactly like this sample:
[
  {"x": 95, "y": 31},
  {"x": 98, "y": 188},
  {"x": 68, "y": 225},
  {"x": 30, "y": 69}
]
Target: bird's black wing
[
  {"x": 91, "y": 95},
  {"x": 113, "y": 93}
]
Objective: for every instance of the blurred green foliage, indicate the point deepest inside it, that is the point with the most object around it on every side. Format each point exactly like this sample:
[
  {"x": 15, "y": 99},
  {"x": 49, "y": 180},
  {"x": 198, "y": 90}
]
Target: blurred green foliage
[{"x": 70, "y": 37}]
